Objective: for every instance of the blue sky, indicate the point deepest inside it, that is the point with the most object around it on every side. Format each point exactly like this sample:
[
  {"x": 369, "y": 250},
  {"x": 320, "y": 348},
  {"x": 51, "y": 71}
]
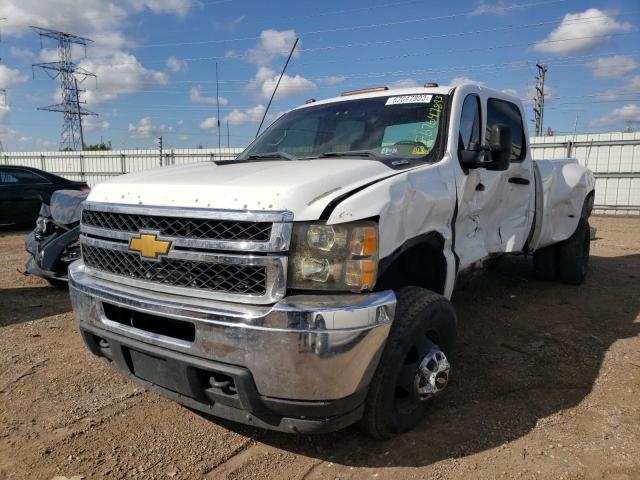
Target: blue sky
[{"x": 155, "y": 61}]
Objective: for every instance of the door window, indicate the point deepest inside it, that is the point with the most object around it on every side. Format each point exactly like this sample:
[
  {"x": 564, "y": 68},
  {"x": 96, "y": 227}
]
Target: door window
[
  {"x": 22, "y": 177},
  {"x": 507, "y": 113},
  {"x": 469, "y": 122}
]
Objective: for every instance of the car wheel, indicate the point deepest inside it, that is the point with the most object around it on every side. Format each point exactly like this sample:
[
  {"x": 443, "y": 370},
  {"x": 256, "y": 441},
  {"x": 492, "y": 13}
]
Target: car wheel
[{"x": 414, "y": 367}]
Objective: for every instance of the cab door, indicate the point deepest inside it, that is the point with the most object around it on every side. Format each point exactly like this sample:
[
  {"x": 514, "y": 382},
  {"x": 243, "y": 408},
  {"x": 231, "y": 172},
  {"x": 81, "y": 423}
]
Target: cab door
[{"x": 506, "y": 215}]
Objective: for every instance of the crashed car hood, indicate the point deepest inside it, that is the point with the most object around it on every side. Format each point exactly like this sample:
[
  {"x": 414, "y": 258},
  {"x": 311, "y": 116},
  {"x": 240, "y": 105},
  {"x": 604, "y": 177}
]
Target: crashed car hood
[{"x": 304, "y": 187}]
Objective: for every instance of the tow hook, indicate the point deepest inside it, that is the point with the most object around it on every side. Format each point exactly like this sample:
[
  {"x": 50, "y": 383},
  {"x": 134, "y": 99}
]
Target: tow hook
[{"x": 433, "y": 373}]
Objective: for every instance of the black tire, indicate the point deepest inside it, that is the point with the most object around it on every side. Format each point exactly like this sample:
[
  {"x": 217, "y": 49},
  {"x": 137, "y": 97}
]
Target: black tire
[
  {"x": 421, "y": 315},
  {"x": 573, "y": 255},
  {"x": 544, "y": 263}
]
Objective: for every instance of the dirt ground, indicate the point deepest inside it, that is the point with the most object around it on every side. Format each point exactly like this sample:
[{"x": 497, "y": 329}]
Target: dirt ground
[{"x": 545, "y": 384}]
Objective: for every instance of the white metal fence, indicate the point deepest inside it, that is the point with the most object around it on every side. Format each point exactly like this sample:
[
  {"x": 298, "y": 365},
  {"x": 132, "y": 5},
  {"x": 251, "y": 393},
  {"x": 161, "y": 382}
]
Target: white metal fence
[
  {"x": 95, "y": 167},
  {"x": 613, "y": 157}
]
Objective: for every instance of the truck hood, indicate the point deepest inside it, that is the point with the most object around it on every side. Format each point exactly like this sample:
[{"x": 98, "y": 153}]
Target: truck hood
[{"x": 304, "y": 187}]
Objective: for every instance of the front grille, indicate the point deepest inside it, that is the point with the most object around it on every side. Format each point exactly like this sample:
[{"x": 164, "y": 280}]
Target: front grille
[
  {"x": 196, "y": 228},
  {"x": 226, "y": 278}
]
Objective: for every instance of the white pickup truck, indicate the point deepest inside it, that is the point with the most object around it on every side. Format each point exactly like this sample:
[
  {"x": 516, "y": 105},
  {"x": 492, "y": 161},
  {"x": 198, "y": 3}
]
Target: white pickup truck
[{"x": 305, "y": 285}]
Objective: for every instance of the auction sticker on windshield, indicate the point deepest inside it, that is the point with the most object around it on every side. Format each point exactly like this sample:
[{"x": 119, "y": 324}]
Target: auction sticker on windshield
[{"x": 409, "y": 99}]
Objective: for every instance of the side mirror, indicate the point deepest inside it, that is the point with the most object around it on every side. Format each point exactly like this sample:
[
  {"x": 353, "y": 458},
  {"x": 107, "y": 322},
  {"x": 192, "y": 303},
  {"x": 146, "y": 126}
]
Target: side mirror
[
  {"x": 500, "y": 144},
  {"x": 470, "y": 156}
]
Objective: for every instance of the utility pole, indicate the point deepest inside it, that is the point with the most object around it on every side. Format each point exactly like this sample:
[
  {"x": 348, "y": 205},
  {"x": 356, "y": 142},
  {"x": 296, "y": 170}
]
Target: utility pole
[
  {"x": 3, "y": 93},
  {"x": 66, "y": 71},
  {"x": 538, "y": 109},
  {"x": 228, "y": 142},
  {"x": 160, "y": 146},
  {"x": 218, "y": 105},
  {"x": 295, "y": 44}
]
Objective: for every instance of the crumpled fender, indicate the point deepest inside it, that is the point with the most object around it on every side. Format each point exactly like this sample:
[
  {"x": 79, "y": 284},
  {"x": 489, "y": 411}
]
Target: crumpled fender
[
  {"x": 408, "y": 205},
  {"x": 561, "y": 189}
]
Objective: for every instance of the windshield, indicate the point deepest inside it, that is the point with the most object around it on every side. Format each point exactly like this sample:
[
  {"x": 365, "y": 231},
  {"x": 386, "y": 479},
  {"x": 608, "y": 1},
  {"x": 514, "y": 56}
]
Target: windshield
[{"x": 393, "y": 127}]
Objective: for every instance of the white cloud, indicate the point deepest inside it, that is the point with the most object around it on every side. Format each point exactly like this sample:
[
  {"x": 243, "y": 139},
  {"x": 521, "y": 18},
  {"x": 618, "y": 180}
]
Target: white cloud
[
  {"x": 4, "y": 110},
  {"x": 94, "y": 124},
  {"x": 44, "y": 144},
  {"x": 10, "y": 77},
  {"x": 175, "y": 7},
  {"x": 7, "y": 133},
  {"x": 210, "y": 123},
  {"x": 195, "y": 95},
  {"x": 273, "y": 44},
  {"x": 630, "y": 88},
  {"x": 145, "y": 129},
  {"x": 176, "y": 65},
  {"x": 578, "y": 34},
  {"x": 118, "y": 72},
  {"x": 404, "y": 83},
  {"x": 251, "y": 115},
  {"x": 332, "y": 79},
  {"x": 266, "y": 80},
  {"x": 627, "y": 115},
  {"x": 122, "y": 74},
  {"x": 183, "y": 137},
  {"x": 229, "y": 26},
  {"x": 22, "y": 53},
  {"x": 289, "y": 86},
  {"x": 497, "y": 8},
  {"x": 612, "y": 67},
  {"x": 456, "y": 81}
]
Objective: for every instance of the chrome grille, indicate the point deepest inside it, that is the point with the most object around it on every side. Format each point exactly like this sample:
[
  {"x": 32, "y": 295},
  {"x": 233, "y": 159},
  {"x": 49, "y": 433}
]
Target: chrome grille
[
  {"x": 243, "y": 279},
  {"x": 219, "y": 254},
  {"x": 196, "y": 228}
]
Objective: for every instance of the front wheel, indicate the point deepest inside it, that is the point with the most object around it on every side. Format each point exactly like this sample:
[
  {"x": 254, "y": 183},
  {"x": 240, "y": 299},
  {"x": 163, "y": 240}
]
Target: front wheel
[{"x": 414, "y": 367}]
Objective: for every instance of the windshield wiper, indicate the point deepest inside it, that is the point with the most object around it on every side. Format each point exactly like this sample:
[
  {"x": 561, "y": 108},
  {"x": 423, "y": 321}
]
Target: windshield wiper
[
  {"x": 282, "y": 155},
  {"x": 349, "y": 153}
]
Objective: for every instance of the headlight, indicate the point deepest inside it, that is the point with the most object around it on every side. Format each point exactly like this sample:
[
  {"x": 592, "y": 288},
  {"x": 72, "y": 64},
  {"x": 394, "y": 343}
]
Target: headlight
[{"x": 334, "y": 257}]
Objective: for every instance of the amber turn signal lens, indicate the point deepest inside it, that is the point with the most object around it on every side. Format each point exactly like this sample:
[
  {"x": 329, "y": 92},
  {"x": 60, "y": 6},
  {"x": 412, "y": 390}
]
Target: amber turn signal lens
[
  {"x": 364, "y": 241},
  {"x": 361, "y": 273}
]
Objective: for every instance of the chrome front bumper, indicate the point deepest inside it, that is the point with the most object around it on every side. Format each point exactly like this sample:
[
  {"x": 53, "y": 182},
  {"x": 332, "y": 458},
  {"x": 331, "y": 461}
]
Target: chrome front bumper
[{"x": 305, "y": 347}]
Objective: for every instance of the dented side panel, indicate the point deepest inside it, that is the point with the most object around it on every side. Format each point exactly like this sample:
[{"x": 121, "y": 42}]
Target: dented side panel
[
  {"x": 408, "y": 205},
  {"x": 564, "y": 186}
]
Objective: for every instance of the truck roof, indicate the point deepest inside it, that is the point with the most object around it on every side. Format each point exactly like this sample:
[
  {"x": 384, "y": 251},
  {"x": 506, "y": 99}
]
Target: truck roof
[{"x": 439, "y": 90}]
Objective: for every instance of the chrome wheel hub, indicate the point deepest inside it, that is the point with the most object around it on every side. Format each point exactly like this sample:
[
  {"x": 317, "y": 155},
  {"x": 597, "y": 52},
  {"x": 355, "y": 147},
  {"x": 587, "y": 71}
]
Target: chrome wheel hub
[{"x": 433, "y": 374}]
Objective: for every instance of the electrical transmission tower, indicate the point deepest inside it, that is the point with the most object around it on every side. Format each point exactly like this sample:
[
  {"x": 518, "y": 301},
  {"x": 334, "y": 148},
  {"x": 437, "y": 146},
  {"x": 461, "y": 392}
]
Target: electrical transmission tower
[
  {"x": 67, "y": 72},
  {"x": 538, "y": 109}
]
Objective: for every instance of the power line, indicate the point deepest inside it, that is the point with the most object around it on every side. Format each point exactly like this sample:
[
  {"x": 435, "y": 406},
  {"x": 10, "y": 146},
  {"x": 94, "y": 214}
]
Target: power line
[
  {"x": 332, "y": 30},
  {"x": 402, "y": 40},
  {"x": 376, "y": 74}
]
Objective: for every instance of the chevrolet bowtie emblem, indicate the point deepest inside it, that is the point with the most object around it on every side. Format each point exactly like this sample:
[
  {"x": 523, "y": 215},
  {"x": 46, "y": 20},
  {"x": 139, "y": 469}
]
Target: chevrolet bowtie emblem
[{"x": 148, "y": 245}]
